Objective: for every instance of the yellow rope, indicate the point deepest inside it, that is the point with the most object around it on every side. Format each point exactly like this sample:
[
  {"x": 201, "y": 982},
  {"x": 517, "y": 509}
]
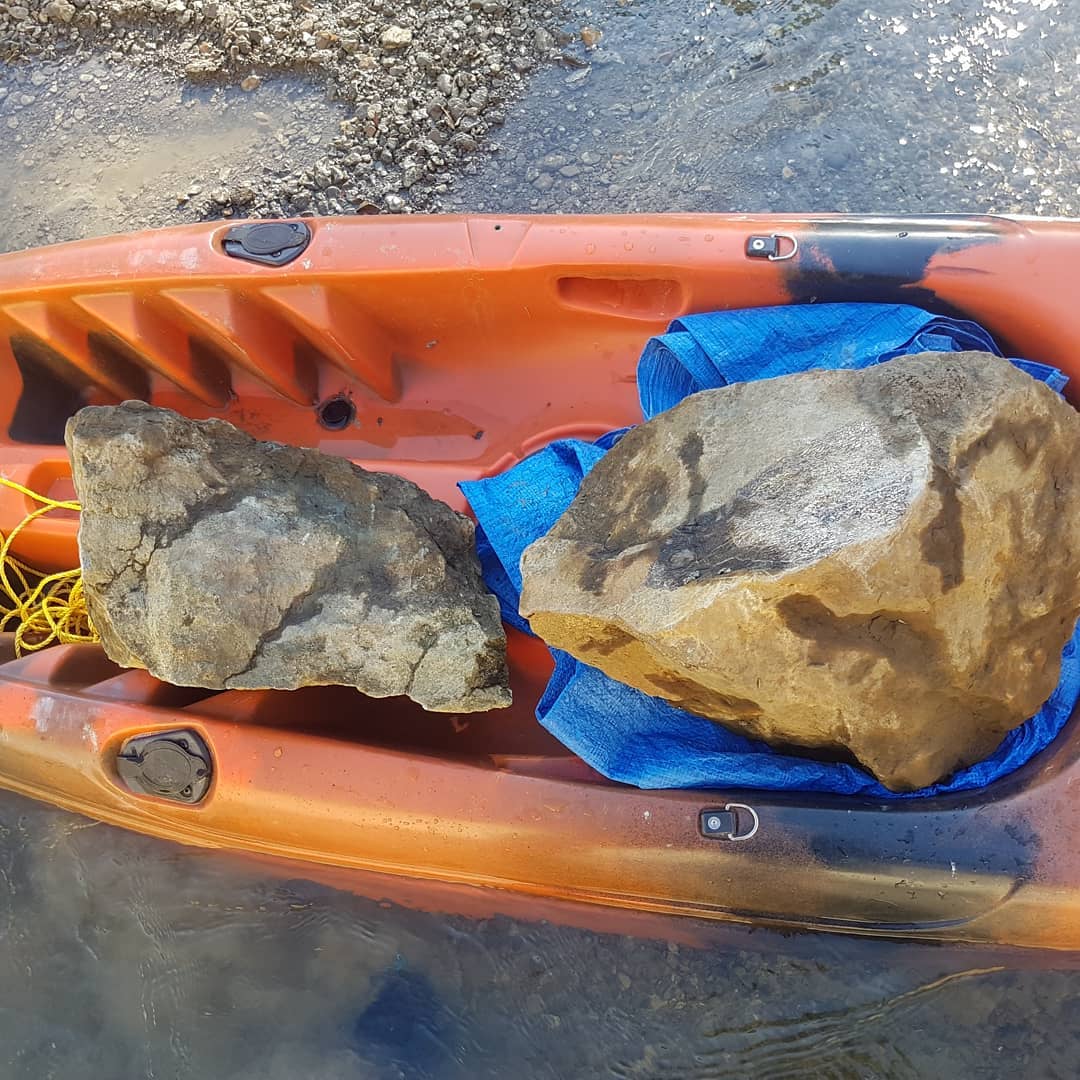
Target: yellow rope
[{"x": 43, "y": 609}]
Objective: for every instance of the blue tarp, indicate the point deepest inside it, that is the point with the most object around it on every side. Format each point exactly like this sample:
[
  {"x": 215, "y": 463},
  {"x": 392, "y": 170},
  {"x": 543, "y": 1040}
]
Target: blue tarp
[{"x": 629, "y": 736}]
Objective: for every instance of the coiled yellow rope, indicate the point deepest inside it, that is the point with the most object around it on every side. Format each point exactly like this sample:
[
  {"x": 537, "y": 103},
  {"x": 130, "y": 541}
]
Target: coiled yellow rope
[{"x": 43, "y": 609}]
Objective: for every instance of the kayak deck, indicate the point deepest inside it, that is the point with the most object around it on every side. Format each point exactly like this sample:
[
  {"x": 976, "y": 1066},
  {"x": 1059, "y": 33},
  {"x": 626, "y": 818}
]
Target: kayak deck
[{"x": 458, "y": 346}]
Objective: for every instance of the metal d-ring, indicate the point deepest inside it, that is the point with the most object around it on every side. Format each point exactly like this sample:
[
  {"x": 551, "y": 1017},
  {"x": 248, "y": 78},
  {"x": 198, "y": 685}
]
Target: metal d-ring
[
  {"x": 780, "y": 258},
  {"x": 733, "y": 808}
]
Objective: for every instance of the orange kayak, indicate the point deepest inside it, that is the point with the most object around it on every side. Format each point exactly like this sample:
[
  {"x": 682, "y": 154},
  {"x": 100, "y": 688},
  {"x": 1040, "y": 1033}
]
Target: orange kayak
[{"x": 445, "y": 349}]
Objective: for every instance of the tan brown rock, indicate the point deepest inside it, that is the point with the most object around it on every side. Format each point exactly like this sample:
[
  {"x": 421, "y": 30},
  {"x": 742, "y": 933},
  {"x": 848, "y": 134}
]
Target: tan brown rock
[
  {"x": 216, "y": 560},
  {"x": 883, "y": 562}
]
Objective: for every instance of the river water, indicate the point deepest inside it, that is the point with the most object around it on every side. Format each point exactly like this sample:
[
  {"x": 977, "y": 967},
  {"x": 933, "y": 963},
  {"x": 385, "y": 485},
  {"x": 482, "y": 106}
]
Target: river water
[{"x": 126, "y": 957}]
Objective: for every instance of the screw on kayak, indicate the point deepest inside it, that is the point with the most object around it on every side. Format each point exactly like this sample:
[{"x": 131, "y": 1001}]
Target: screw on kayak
[
  {"x": 724, "y": 823},
  {"x": 169, "y": 764}
]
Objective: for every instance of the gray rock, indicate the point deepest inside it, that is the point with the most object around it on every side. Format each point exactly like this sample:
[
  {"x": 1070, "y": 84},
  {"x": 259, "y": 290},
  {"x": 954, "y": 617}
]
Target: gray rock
[
  {"x": 837, "y": 152},
  {"x": 755, "y": 50},
  {"x": 464, "y": 142},
  {"x": 883, "y": 562},
  {"x": 216, "y": 560}
]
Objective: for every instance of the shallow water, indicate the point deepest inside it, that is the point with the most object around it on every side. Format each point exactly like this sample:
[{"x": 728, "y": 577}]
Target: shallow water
[
  {"x": 122, "y": 956},
  {"x": 92, "y": 148},
  {"x": 793, "y": 105}
]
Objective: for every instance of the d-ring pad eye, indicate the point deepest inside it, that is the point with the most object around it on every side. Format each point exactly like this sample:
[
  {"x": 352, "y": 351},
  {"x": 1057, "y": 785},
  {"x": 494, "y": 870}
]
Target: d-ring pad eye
[
  {"x": 779, "y": 247},
  {"x": 733, "y": 821}
]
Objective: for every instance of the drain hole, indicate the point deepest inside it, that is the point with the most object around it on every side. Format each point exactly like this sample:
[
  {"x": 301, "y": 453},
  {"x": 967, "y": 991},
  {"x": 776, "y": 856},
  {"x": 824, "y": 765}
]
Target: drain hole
[{"x": 336, "y": 413}]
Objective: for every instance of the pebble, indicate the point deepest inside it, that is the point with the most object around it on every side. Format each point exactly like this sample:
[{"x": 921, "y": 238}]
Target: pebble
[
  {"x": 754, "y": 50},
  {"x": 59, "y": 11},
  {"x": 836, "y": 153},
  {"x": 544, "y": 182},
  {"x": 395, "y": 37},
  {"x": 570, "y": 170},
  {"x": 251, "y": 82},
  {"x": 640, "y": 108},
  {"x": 395, "y": 204}
]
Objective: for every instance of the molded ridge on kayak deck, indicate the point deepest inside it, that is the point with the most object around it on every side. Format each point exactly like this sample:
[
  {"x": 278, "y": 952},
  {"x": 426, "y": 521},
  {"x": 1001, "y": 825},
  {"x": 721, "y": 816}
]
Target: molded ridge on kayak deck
[{"x": 464, "y": 344}]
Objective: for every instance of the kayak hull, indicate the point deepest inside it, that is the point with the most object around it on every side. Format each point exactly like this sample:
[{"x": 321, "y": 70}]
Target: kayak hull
[{"x": 462, "y": 345}]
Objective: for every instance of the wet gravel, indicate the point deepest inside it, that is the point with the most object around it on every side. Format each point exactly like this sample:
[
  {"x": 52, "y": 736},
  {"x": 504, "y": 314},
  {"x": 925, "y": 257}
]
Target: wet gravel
[
  {"x": 795, "y": 105},
  {"x": 417, "y": 86}
]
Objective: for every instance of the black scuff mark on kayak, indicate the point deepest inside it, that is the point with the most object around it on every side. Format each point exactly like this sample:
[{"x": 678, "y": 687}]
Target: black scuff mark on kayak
[
  {"x": 925, "y": 846},
  {"x": 881, "y": 261}
]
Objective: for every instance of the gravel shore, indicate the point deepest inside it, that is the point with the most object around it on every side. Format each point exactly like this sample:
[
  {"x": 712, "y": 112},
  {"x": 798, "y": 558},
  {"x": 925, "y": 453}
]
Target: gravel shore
[{"x": 417, "y": 87}]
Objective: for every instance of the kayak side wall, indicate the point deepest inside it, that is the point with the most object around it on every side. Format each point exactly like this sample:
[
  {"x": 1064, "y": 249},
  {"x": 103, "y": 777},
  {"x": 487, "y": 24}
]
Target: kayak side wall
[{"x": 952, "y": 870}]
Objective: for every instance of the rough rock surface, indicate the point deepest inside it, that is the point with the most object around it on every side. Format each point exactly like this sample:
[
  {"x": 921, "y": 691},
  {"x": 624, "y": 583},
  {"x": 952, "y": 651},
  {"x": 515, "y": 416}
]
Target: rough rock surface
[
  {"x": 216, "y": 560},
  {"x": 885, "y": 562}
]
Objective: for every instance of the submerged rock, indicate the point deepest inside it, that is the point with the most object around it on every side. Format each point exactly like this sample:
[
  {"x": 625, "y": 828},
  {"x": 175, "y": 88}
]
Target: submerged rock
[
  {"x": 216, "y": 560},
  {"x": 882, "y": 562}
]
